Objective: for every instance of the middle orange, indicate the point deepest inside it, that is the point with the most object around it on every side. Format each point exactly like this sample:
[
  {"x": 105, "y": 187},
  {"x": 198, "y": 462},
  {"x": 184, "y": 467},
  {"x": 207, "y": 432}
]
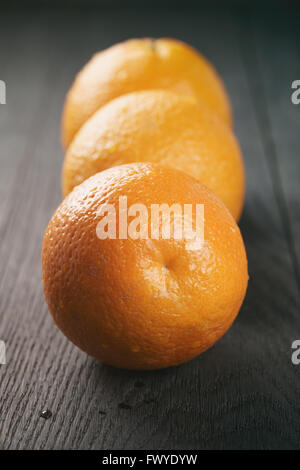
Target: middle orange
[{"x": 159, "y": 127}]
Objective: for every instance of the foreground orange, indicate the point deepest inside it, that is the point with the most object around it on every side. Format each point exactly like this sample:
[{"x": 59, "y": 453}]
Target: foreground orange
[
  {"x": 143, "y": 303},
  {"x": 141, "y": 64},
  {"x": 160, "y": 127}
]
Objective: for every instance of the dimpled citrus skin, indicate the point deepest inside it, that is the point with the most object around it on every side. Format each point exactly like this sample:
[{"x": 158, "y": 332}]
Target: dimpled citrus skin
[
  {"x": 140, "y": 64},
  {"x": 142, "y": 304},
  {"x": 160, "y": 127}
]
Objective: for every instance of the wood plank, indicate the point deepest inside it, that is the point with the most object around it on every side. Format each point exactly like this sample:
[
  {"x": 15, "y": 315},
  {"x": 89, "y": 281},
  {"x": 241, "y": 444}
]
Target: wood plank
[{"x": 279, "y": 65}]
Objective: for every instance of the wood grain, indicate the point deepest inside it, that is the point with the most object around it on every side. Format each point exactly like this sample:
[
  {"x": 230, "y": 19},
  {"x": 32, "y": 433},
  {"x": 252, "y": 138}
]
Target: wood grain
[
  {"x": 279, "y": 67},
  {"x": 244, "y": 392}
]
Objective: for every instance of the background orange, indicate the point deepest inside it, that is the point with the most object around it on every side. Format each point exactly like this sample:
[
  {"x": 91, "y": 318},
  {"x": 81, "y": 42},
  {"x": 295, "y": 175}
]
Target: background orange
[{"x": 142, "y": 64}]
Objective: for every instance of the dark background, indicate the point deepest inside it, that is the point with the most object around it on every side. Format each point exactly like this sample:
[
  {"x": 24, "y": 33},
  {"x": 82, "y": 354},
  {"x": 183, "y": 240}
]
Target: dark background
[{"x": 244, "y": 393}]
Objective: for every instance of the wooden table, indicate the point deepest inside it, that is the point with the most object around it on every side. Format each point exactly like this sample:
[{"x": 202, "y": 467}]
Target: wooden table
[{"x": 244, "y": 393}]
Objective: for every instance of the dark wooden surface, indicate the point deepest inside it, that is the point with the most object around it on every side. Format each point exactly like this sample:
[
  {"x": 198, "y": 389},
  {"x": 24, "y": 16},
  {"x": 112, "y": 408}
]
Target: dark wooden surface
[{"x": 244, "y": 393}]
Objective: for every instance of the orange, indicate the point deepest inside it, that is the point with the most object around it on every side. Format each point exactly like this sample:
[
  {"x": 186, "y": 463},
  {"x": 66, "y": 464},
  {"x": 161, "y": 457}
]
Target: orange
[
  {"x": 142, "y": 303},
  {"x": 160, "y": 127},
  {"x": 140, "y": 64}
]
